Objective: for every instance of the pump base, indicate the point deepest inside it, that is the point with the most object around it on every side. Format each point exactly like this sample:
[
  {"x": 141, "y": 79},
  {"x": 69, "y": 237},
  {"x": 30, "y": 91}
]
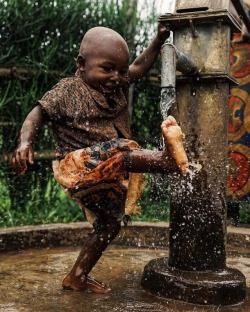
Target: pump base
[{"x": 225, "y": 287}]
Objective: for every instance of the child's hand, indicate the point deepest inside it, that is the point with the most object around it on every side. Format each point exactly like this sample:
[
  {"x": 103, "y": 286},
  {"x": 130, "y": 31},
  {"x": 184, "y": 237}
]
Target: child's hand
[
  {"x": 163, "y": 32},
  {"x": 23, "y": 155}
]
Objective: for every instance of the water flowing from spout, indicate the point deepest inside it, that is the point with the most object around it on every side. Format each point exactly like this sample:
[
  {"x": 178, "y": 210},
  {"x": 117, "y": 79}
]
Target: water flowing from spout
[{"x": 168, "y": 98}]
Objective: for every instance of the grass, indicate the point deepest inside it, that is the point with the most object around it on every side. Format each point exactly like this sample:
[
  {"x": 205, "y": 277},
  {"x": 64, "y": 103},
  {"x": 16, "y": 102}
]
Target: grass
[
  {"x": 59, "y": 208},
  {"x": 63, "y": 211},
  {"x": 46, "y": 44},
  {"x": 245, "y": 212}
]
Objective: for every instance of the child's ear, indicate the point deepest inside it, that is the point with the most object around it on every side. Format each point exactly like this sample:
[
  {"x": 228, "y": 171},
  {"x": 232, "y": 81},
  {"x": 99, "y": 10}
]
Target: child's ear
[{"x": 80, "y": 62}]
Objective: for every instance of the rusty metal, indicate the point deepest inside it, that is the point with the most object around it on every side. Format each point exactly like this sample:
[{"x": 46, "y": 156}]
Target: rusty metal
[
  {"x": 177, "y": 21},
  {"x": 173, "y": 59},
  {"x": 207, "y": 78},
  {"x": 192, "y": 27},
  {"x": 195, "y": 270},
  {"x": 183, "y": 6}
]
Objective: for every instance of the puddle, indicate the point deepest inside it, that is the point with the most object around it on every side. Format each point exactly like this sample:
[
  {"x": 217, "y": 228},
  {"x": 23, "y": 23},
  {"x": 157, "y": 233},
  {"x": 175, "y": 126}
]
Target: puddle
[{"x": 31, "y": 281}]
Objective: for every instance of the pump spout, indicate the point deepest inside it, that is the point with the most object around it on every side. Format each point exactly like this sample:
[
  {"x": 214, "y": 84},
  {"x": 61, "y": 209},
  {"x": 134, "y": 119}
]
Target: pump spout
[{"x": 173, "y": 59}]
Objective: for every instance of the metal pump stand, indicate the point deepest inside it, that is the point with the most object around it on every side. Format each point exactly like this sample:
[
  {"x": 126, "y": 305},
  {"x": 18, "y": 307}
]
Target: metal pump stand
[{"x": 196, "y": 270}]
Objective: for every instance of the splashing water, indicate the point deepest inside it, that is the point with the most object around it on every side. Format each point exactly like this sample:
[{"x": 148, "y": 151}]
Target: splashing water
[
  {"x": 168, "y": 98},
  {"x": 194, "y": 168}
]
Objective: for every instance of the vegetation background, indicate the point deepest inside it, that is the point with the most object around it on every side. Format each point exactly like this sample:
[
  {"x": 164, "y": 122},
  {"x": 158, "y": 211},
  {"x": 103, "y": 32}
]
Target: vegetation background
[
  {"x": 39, "y": 44},
  {"x": 39, "y": 41}
]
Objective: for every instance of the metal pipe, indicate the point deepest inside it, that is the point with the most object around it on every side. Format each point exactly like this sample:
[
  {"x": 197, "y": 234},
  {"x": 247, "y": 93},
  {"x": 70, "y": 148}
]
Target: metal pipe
[
  {"x": 173, "y": 59},
  {"x": 168, "y": 78},
  {"x": 195, "y": 270},
  {"x": 188, "y": 65}
]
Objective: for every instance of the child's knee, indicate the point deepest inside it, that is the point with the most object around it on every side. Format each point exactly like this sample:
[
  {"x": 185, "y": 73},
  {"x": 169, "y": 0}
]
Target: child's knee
[
  {"x": 107, "y": 225},
  {"x": 114, "y": 227}
]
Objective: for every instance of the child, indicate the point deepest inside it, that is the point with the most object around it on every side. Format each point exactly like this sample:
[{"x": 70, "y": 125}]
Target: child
[{"x": 90, "y": 120}]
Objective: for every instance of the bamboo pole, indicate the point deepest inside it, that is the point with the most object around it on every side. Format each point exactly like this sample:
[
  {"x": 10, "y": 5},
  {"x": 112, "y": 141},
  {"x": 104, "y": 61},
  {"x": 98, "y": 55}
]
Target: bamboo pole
[
  {"x": 38, "y": 155},
  {"x": 8, "y": 124},
  {"x": 22, "y": 73}
]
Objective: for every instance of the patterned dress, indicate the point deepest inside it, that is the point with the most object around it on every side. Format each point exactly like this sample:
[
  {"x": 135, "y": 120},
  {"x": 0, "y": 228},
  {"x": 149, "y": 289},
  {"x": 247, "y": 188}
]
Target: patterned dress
[
  {"x": 95, "y": 178},
  {"x": 91, "y": 134}
]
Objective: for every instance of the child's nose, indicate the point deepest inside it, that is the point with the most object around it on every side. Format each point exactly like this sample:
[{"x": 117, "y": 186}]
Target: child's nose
[{"x": 116, "y": 76}]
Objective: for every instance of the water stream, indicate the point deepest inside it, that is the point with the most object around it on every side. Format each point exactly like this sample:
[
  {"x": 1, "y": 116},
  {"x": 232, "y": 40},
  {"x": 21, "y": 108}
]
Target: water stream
[{"x": 168, "y": 99}]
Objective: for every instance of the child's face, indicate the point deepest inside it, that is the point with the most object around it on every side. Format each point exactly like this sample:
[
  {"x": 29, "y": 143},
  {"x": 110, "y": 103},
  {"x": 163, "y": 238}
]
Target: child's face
[{"x": 106, "y": 70}]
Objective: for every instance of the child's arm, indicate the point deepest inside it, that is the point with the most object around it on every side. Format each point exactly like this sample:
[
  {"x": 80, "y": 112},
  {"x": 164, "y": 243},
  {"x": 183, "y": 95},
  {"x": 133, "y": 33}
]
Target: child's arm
[
  {"x": 24, "y": 153},
  {"x": 146, "y": 59}
]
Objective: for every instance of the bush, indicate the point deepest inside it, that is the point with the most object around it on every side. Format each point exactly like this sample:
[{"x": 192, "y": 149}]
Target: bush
[{"x": 39, "y": 44}]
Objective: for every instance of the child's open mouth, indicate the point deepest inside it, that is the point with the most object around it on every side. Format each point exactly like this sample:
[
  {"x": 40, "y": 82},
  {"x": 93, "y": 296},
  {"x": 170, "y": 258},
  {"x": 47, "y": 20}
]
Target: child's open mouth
[{"x": 108, "y": 89}]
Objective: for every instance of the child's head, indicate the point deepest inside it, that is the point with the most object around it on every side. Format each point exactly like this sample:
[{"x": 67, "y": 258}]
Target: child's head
[{"x": 103, "y": 59}]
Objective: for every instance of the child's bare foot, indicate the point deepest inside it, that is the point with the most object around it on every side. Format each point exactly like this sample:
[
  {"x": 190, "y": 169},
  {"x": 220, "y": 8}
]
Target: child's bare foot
[
  {"x": 85, "y": 283},
  {"x": 174, "y": 142}
]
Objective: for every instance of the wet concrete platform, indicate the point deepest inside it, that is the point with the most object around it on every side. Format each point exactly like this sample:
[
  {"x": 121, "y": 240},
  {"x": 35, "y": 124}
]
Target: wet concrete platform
[{"x": 30, "y": 279}]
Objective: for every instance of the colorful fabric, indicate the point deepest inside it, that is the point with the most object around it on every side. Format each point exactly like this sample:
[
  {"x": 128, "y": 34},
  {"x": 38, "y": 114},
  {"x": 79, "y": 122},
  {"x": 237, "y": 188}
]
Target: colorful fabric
[
  {"x": 239, "y": 122},
  {"x": 79, "y": 114},
  {"x": 95, "y": 178}
]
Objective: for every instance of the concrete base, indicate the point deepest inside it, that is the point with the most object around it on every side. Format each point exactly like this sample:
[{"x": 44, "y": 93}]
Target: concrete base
[{"x": 224, "y": 287}]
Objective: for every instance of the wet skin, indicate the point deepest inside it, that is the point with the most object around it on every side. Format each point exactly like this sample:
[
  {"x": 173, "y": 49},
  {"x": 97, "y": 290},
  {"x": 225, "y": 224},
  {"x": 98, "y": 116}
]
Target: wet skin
[
  {"x": 104, "y": 62},
  {"x": 93, "y": 248},
  {"x": 109, "y": 227},
  {"x": 173, "y": 137},
  {"x": 105, "y": 72}
]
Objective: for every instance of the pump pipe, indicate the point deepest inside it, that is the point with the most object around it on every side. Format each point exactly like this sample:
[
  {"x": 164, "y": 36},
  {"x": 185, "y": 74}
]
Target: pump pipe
[{"x": 173, "y": 59}]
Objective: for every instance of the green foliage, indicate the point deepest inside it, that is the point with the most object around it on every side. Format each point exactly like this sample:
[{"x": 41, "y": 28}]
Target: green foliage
[
  {"x": 43, "y": 37},
  {"x": 154, "y": 201},
  {"x": 146, "y": 118},
  {"x": 245, "y": 212}
]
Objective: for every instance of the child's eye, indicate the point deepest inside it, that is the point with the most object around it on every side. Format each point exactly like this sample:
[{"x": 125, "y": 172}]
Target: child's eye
[
  {"x": 108, "y": 69},
  {"x": 124, "y": 72}
]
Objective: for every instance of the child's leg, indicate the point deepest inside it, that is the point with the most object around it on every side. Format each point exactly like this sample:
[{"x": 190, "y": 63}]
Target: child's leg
[
  {"x": 170, "y": 160},
  {"x": 106, "y": 230}
]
